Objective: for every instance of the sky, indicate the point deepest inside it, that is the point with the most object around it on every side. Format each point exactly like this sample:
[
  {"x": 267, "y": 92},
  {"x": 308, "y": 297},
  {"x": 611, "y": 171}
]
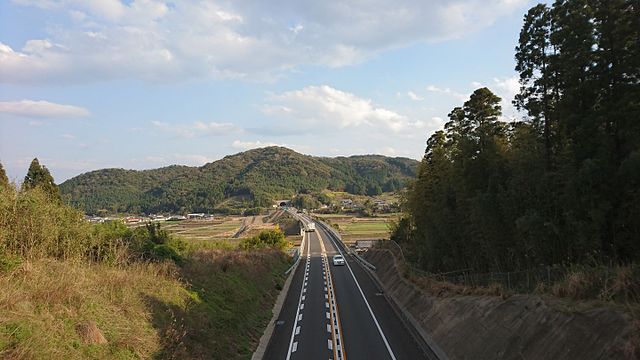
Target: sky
[{"x": 140, "y": 84}]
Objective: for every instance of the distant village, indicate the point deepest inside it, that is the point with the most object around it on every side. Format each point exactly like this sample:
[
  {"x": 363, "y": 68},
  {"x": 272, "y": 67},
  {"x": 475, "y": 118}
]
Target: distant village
[
  {"x": 342, "y": 205},
  {"x": 132, "y": 220}
]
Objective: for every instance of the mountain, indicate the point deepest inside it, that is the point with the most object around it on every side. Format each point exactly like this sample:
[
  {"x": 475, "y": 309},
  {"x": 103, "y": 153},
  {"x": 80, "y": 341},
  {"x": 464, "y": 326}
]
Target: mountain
[{"x": 253, "y": 178}]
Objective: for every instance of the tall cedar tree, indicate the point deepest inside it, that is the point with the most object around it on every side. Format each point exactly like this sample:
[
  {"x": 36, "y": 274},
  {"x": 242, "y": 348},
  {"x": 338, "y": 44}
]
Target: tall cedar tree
[
  {"x": 4, "y": 180},
  {"x": 563, "y": 185},
  {"x": 38, "y": 176}
]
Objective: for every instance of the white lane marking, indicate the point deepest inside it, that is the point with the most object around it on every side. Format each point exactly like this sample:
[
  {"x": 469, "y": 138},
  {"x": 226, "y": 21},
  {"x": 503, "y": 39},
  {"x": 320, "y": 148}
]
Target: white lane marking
[
  {"x": 326, "y": 296},
  {"x": 302, "y": 290},
  {"x": 328, "y": 315},
  {"x": 297, "y": 330},
  {"x": 303, "y": 297},
  {"x": 328, "y": 328},
  {"x": 326, "y": 304},
  {"x": 335, "y": 317},
  {"x": 299, "y": 317},
  {"x": 386, "y": 343},
  {"x": 330, "y": 344},
  {"x": 301, "y": 306}
]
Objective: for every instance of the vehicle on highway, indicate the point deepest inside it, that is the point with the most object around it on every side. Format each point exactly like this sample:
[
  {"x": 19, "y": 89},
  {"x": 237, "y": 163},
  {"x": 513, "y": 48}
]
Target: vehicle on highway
[
  {"x": 338, "y": 260},
  {"x": 311, "y": 227}
]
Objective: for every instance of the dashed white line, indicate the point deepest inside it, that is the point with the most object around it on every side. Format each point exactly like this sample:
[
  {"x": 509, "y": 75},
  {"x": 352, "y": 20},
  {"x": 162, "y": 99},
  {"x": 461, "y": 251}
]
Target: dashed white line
[
  {"x": 384, "y": 339},
  {"x": 293, "y": 346}
]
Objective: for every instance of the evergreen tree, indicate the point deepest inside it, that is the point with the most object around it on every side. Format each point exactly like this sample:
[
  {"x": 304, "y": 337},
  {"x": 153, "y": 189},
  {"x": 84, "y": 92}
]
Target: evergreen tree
[
  {"x": 562, "y": 186},
  {"x": 4, "y": 180},
  {"x": 38, "y": 176}
]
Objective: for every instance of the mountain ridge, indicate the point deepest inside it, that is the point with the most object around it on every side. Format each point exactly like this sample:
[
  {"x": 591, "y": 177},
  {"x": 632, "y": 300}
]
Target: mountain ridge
[{"x": 256, "y": 176}]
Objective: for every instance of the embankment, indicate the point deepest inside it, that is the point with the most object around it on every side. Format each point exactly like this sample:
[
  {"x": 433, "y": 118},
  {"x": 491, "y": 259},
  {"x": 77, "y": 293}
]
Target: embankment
[{"x": 515, "y": 327}]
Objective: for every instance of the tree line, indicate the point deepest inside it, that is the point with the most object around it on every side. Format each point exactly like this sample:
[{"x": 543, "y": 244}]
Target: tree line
[
  {"x": 250, "y": 179},
  {"x": 561, "y": 185}
]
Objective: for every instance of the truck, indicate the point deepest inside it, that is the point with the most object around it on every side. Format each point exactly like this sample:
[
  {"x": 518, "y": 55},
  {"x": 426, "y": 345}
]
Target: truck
[{"x": 311, "y": 227}]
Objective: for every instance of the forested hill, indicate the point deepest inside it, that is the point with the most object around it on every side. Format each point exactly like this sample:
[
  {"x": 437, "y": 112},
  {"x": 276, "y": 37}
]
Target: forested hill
[{"x": 256, "y": 176}]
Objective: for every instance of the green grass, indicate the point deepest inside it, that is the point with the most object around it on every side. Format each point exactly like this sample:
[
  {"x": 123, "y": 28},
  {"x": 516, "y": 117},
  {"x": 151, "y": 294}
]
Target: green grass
[
  {"x": 368, "y": 227},
  {"x": 358, "y": 228}
]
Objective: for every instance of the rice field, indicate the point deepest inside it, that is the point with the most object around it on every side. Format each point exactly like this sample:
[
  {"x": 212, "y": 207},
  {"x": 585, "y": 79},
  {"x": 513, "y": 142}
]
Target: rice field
[
  {"x": 205, "y": 230},
  {"x": 358, "y": 228}
]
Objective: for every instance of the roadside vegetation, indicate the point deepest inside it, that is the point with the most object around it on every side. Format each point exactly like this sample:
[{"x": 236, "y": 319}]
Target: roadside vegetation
[
  {"x": 560, "y": 186},
  {"x": 79, "y": 291}
]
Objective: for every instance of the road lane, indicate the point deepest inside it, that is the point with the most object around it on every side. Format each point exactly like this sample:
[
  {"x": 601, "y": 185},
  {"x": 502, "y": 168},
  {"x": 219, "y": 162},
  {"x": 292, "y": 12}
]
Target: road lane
[
  {"x": 311, "y": 330},
  {"x": 361, "y": 336},
  {"x": 325, "y": 311}
]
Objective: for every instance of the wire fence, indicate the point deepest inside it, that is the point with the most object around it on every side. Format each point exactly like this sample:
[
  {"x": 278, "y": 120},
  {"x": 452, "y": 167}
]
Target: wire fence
[{"x": 597, "y": 279}]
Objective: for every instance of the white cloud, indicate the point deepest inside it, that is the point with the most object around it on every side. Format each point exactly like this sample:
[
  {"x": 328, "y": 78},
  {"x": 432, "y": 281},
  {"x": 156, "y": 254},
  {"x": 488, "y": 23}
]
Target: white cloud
[
  {"x": 507, "y": 87},
  {"x": 41, "y": 109},
  {"x": 326, "y": 108},
  {"x": 413, "y": 96},
  {"x": 247, "y": 145},
  {"x": 166, "y": 41},
  {"x": 193, "y": 159},
  {"x": 67, "y": 136},
  {"x": 447, "y": 91},
  {"x": 196, "y": 129}
]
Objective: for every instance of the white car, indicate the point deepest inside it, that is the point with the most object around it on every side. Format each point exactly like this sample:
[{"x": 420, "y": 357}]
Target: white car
[{"x": 338, "y": 260}]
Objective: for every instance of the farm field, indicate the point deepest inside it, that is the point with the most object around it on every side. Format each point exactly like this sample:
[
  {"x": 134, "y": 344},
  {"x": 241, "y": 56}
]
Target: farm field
[
  {"x": 223, "y": 228},
  {"x": 354, "y": 228}
]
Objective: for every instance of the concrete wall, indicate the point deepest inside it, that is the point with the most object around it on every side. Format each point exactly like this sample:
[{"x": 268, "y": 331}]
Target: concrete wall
[{"x": 518, "y": 327}]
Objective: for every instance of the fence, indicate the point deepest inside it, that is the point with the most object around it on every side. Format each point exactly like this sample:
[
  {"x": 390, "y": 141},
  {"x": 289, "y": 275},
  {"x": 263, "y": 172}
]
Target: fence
[{"x": 526, "y": 280}]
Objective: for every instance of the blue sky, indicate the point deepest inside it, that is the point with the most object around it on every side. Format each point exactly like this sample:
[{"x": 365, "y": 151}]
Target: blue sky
[{"x": 142, "y": 84}]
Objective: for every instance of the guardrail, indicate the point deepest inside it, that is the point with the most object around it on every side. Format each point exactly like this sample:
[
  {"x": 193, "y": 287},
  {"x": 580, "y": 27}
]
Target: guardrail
[{"x": 333, "y": 233}]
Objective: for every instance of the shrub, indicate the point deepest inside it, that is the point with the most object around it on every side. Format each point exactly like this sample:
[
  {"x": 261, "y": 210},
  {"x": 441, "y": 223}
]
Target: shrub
[
  {"x": 33, "y": 226},
  {"x": 266, "y": 239}
]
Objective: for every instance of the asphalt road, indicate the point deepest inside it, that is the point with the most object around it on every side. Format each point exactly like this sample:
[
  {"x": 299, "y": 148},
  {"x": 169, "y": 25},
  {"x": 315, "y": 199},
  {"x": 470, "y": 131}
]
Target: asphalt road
[{"x": 338, "y": 312}]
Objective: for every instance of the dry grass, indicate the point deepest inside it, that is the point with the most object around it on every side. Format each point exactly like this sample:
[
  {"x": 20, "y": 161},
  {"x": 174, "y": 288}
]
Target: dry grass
[
  {"x": 43, "y": 301},
  {"x": 445, "y": 289},
  {"x": 214, "y": 306}
]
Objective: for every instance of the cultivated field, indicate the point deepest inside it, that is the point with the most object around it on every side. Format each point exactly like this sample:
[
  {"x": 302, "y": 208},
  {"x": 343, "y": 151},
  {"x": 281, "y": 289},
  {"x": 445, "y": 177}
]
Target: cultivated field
[
  {"x": 219, "y": 228},
  {"x": 354, "y": 228}
]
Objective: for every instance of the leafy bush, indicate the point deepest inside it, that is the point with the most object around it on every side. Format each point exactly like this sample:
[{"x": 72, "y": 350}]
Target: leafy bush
[
  {"x": 266, "y": 239},
  {"x": 32, "y": 225}
]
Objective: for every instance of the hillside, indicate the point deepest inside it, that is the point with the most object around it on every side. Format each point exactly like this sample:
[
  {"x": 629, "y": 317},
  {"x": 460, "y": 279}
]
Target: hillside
[{"x": 257, "y": 177}]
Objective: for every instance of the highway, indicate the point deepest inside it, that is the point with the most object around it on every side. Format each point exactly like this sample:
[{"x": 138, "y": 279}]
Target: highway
[{"x": 338, "y": 312}]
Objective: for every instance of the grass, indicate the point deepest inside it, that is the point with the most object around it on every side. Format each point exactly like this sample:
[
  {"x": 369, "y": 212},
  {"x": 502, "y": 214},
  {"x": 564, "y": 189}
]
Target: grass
[
  {"x": 359, "y": 228},
  {"x": 214, "y": 306},
  {"x": 43, "y": 300}
]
